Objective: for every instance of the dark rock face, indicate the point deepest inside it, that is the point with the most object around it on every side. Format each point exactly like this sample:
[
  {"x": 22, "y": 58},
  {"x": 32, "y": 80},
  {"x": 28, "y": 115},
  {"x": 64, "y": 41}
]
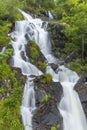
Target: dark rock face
[
  {"x": 54, "y": 66},
  {"x": 58, "y": 38},
  {"x": 47, "y": 113},
  {"x": 81, "y": 88},
  {"x": 71, "y": 57}
]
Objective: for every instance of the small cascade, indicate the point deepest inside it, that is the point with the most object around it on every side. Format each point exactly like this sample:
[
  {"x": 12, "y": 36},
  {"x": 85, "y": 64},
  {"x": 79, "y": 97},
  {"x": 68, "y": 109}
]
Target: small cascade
[
  {"x": 3, "y": 49},
  {"x": 37, "y": 32},
  {"x": 50, "y": 15},
  {"x": 28, "y": 104}
]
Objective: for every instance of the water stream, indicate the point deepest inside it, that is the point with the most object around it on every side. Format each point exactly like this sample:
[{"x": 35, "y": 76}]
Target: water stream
[
  {"x": 50, "y": 15},
  {"x": 3, "y": 49},
  {"x": 70, "y": 106},
  {"x": 18, "y": 42}
]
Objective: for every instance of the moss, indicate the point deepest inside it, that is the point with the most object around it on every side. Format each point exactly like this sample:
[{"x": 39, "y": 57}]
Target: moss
[
  {"x": 34, "y": 50},
  {"x": 47, "y": 78},
  {"x": 46, "y": 98},
  {"x": 34, "y": 53},
  {"x": 55, "y": 127},
  {"x": 41, "y": 65}
]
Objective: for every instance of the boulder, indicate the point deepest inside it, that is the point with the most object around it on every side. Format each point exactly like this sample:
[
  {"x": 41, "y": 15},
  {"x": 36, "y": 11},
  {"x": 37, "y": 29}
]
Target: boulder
[
  {"x": 81, "y": 88},
  {"x": 47, "y": 113}
]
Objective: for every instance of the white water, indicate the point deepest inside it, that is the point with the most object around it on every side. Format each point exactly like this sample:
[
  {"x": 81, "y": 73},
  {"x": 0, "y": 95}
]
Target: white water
[
  {"x": 3, "y": 49},
  {"x": 50, "y": 15},
  {"x": 39, "y": 34},
  {"x": 70, "y": 105},
  {"x": 19, "y": 41}
]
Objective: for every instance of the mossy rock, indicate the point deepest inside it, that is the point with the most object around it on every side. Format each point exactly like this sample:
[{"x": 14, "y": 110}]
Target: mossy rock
[
  {"x": 35, "y": 56},
  {"x": 47, "y": 78}
]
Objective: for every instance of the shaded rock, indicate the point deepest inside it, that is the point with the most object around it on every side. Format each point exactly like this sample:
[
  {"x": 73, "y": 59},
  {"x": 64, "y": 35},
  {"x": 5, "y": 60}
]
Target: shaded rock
[
  {"x": 58, "y": 38},
  {"x": 71, "y": 57},
  {"x": 81, "y": 88},
  {"x": 54, "y": 66},
  {"x": 47, "y": 113}
]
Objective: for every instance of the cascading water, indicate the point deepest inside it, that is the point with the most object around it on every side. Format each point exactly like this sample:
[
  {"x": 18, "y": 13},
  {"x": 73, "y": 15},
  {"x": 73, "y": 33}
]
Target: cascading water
[
  {"x": 3, "y": 49},
  {"x": 37, "y": 32},
  {"x": 70, "y": 106},
  {"x": 50, "y": 15},
  {"x": 18, "y": 43}
]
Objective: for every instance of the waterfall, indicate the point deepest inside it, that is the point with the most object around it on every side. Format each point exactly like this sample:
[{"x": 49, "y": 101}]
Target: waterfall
[{"x": 70, "y": 106}]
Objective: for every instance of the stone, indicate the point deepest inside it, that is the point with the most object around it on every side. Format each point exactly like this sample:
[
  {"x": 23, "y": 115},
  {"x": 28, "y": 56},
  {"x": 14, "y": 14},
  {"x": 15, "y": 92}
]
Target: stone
[
  {"x": 47, "y": 114},
  {"x": 81, "y": 88}
]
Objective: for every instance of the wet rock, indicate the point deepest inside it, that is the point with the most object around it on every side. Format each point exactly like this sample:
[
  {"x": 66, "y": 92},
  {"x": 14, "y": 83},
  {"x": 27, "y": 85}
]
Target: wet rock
[
  {"x": 54, "y": 66},
  {"x": 81, "y": 88},
  {"x": 23, "y": 55},
  {"x": 47, "y": 113}
]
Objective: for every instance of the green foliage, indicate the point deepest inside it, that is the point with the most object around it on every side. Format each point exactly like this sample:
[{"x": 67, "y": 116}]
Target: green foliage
[
  {"x": 4, "y": 39},
  {"x": 78, "y": 67},
  {"x": 8, "y": 11},
  {"x": 4, "y": 56},
  {"x": 35, "y": 55},
  {"x": 41, "y": 65},
  {"x": 75, "y": 67},
  {"x": 47, "y": 78},
  {"x": 55, "y": 127},
  {"x": 11, "y": 89},
  {"x": 72, "y": 15},
  {"x": 34, "y": 51},
  {"x": 10, "y": 106}
]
